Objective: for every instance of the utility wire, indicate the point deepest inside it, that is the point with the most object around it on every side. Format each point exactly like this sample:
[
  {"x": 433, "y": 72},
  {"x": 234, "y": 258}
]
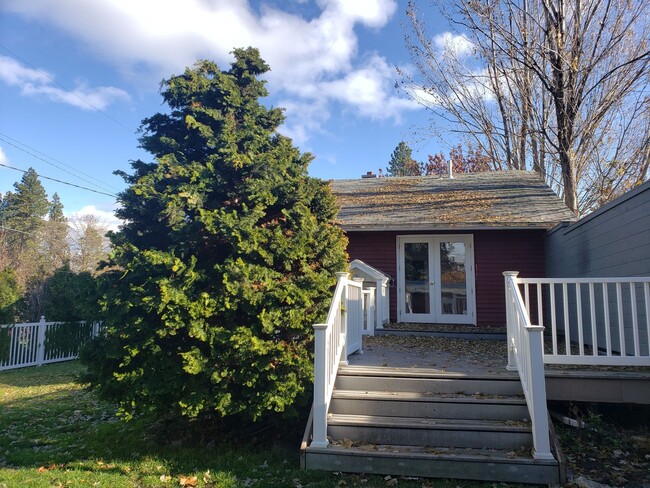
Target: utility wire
[
  {"x": 2, "y": 227},
  {"x": 2, "y": 138},
  {"x": 47, "y": 75},
  {"x": 61, "y": 181}
]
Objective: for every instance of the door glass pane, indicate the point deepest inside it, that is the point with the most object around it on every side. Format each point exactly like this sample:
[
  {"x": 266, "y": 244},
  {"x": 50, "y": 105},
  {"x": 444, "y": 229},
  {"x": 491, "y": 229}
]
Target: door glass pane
[
  {"x": 416, "y": 269},
  {"x": 453, "y": 279}
]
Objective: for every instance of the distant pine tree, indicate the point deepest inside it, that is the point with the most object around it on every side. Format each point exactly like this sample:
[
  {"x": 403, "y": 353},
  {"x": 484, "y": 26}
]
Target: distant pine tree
[{"x": 402, "y": 163}]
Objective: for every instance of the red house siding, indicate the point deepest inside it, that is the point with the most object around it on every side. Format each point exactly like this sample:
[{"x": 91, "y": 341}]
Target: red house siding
[{"x": 495, "y": 251}]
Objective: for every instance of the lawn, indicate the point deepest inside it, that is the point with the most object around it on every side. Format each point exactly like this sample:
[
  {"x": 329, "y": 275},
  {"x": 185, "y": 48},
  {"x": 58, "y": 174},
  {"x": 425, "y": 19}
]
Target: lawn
[{"x": 53, "y": 433}]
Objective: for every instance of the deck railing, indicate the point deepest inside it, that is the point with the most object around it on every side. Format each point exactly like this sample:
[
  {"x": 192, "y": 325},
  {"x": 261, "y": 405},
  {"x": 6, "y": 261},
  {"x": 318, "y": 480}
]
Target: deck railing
[
  {"x": 592, "y": 321},
  {"x": 36, "y": 343},
  {"x": 525, "y": 356},
  {"x": 588, "y": 321},
  {"x": 334, "y": 340}
]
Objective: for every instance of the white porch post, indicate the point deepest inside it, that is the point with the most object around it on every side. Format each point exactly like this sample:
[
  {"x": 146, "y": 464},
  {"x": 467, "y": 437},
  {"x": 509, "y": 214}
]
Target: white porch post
[
  {"x": 340, "y": 276},
  {"x": 359, "y": 315},
  {"x": 510, "y": 317},
  {"x": 541, "y": 442},
  {"x": 320, "y": 386},
  {"x": 40, "y": 346}
]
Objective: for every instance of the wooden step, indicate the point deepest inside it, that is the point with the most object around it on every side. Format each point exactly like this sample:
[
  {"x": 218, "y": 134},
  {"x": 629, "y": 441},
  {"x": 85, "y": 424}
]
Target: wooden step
[
  {"x": 428, "y": 405},
  {"x": 469, "y": 464},
  {"x": 430, "y": 431},
  {"x": 428, "y": 423},
  {"x": 396, "y": 380}
]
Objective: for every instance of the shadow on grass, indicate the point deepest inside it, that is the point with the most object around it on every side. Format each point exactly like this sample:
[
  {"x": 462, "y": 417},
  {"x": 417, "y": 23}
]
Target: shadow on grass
[
  {"x": 53, "y": 429},
  {"x": 45, "y": 375},
  {"x": 53, "y": 432}
]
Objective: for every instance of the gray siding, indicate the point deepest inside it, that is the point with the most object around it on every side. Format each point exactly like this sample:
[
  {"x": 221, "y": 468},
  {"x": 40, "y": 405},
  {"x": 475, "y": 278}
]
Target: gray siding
[{"x": 613, "y": 241}]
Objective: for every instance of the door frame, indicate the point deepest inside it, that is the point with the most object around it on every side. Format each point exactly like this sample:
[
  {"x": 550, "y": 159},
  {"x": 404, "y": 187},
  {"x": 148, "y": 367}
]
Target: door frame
[{"x": 436, "y": 316}]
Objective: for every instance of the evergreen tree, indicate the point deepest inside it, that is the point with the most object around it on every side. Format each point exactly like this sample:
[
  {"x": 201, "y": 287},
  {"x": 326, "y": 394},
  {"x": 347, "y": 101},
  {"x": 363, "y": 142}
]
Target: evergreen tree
[
  {"x": 24, "y": 211},
  {"x": 70, "y": 296},
  {"x": 9, "y": 296},
  {"x": 226, "y": 258},
  {"x": 402, "y": 163},
  {"x": 55, "y": 212},
  {"x": 56, "y": 250}
]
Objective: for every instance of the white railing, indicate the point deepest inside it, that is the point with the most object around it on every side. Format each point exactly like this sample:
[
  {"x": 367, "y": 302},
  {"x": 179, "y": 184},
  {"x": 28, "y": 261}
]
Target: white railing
[
  {"x": 592, "y": 321},
  {"x": 379, "y": 282},
  {"x": 525, "y": 355},
  {"x": 334, "y": 340},
  {"x": 37, "y": 343}
]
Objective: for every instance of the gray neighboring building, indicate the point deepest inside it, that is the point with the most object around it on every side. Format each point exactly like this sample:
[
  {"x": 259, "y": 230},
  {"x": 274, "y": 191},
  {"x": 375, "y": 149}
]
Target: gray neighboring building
[{"x": 613, "y": 241}]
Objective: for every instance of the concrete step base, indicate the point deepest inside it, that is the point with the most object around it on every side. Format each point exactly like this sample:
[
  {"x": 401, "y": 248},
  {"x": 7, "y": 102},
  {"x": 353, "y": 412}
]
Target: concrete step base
[{"x": 468, "y": 464}]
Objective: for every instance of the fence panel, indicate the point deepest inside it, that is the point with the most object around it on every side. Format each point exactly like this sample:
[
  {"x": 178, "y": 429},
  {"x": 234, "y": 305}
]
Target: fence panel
[{"x": 37, "y": 343}]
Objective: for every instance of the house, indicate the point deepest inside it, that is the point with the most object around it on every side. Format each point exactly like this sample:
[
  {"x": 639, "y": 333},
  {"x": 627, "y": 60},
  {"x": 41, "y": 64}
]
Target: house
[
  {"x": 446, "y": 241},
  {"x": 483, "y": 249}
]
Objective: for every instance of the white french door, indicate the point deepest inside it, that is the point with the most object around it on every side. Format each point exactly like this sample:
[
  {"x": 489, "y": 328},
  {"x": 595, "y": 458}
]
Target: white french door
[{"x": 436, "y": 279}]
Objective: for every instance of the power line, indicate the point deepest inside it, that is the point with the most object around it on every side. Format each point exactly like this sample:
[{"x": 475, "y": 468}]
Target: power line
[
  {"x": 2, "y": 227},
  {"x": 61, "y": 181},
  {"x": 2, "y": 138},
  {"x": 106, "y": 114}
]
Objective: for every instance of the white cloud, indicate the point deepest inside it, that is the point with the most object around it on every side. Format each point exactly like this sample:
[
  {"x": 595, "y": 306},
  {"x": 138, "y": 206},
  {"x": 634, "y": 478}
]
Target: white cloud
[
  {"x": 3, "y": 157},
  {"x": 370, "y": 89},
  {"x": 312, "y": 59},
  {"x": 34, "y": 82},
  {"x": 423, "y": 96},
  {"x": 105, "y": 218},
  {"x": 14, "y": 73},
  {"x": 455, "y": 44}
]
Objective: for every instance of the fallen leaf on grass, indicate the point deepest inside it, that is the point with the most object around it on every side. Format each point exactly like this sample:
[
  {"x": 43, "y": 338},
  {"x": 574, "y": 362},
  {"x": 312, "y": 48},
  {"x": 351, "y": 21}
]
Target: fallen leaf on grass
[
  {"x": 207, "y": 477},
  {"x": 187, "y": 481}
]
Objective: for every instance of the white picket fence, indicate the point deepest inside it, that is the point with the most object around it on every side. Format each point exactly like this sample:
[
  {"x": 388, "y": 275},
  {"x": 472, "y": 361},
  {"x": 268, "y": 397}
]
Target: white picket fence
[{"x": 37, "y": 343}]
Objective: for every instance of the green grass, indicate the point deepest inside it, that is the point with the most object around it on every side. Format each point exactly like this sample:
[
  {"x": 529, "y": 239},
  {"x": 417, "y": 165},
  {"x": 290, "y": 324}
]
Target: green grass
[{"x": 55, "y": 433}]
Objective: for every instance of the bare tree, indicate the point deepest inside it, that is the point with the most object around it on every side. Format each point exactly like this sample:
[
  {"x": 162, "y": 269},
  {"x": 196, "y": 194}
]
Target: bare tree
[
  {"x": 89, "y": 243},
  {"x": 559, "y": 86}
]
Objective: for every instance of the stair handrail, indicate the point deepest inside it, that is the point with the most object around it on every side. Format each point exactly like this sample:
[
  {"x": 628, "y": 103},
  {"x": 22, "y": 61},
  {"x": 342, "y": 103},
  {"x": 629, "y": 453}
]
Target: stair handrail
[
  {"x": 329, "y": 352},
  {"x": 526, "y": 356}
]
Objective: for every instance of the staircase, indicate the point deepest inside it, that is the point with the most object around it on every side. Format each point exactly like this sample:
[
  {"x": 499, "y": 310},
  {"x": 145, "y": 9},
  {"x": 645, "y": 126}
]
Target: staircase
[{"x": 414, "y": 422}]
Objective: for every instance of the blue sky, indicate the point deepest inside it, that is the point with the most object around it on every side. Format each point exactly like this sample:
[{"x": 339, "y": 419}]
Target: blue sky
[{"x": 78, "y": 76}]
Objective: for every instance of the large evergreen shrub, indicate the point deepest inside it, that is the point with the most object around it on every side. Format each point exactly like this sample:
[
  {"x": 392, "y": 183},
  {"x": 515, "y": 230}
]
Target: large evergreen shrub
[{"x": 226, "y": 259}]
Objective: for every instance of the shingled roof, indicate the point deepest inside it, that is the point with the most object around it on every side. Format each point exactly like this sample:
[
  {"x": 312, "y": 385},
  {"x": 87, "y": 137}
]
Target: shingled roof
[{"x": 494, "y": 199}]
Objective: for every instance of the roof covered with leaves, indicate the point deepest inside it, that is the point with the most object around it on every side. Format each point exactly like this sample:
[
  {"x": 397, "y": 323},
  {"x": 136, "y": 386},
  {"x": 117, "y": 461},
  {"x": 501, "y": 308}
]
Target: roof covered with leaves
[{"x": 510, "y": 199}]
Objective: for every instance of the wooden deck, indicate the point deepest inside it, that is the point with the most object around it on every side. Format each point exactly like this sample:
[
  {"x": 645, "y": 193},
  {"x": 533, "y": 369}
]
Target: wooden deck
[{"x": 438, "y": 352}]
